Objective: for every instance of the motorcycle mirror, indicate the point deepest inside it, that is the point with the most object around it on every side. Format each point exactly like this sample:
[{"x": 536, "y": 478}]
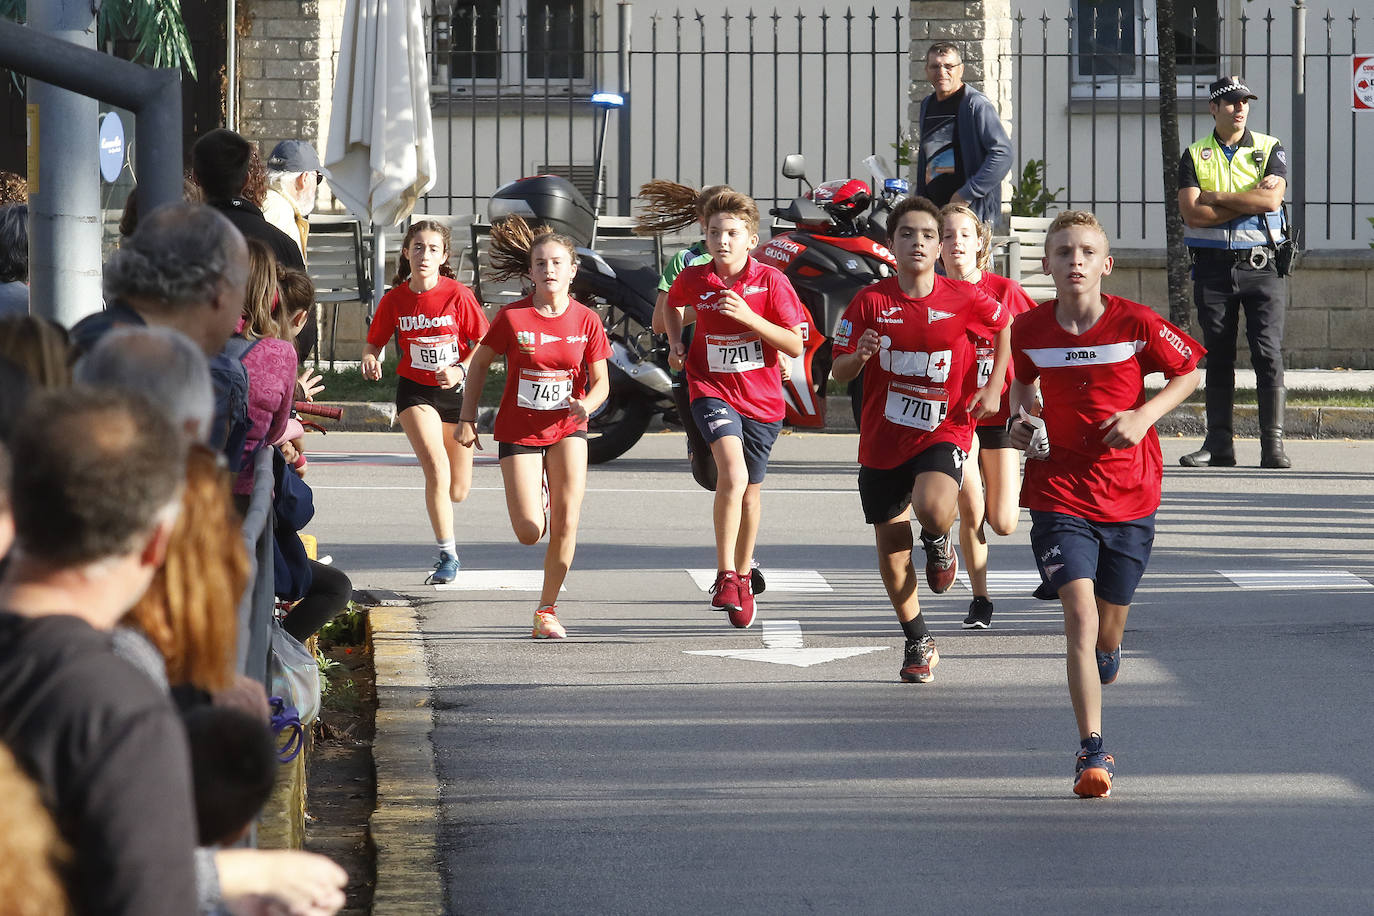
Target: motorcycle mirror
[{"x": 794, "y": 166}]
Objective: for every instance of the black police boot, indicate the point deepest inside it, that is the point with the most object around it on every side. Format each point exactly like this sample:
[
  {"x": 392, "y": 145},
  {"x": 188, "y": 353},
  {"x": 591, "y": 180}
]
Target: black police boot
[
  {"x": 1270, "y": 402},
  {"x": 1218, "y": 449}
]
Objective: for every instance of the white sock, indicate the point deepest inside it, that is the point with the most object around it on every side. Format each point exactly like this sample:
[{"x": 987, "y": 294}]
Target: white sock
[{"x": 450, "y": 546}]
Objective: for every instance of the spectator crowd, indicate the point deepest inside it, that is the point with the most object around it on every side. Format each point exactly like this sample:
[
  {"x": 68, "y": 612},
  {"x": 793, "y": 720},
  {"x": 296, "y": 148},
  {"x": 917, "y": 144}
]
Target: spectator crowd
[{"x": 135, "y": 756}]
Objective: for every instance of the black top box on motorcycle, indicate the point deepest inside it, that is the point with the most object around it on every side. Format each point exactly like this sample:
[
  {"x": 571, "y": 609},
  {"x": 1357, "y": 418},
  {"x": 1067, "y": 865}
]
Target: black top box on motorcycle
[{"x": 546, "y": 199}]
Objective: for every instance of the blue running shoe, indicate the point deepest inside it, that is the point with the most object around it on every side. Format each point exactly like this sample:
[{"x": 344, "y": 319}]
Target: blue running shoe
[
  {"x": 445, "y": 571},
  {"x": 1108, "y": 664},
  {"x": 1093, "y": 771}
]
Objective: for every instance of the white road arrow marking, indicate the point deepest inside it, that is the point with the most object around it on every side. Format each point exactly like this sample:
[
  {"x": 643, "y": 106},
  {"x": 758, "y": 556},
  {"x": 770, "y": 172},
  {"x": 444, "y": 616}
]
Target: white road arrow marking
[
  {"x": 782, "y": 645},
  {"x": 797, "y": 658}
]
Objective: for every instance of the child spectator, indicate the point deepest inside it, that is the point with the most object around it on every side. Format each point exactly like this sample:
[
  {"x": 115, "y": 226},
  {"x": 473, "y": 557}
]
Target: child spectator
[
  {"x": 746, "y": 313},
  {"x": 1093, "y": 484},
  {"x": 270, "y": 361},
  {"x": 233, "y": 767},
  {"x": 920, "y": 403},
  {"x": 555, "y": 350}
]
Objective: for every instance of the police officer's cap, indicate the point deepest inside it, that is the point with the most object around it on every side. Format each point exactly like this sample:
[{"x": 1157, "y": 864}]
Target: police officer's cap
[{"x": 1230, "y": 88}]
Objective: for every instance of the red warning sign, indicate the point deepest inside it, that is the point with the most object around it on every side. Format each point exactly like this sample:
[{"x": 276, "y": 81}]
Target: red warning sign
[{"x": 1362, "y": 82}]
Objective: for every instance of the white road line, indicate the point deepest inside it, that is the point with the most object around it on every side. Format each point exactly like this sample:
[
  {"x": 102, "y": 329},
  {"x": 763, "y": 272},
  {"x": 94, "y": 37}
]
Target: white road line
[
  {"x": 1287, "y": 579},
  {"x": 778, "y": 580},
  {"x": 1008, "y": 579},
  {"x": 782, "y": 634},
  {"x": 495, "y": 580}
]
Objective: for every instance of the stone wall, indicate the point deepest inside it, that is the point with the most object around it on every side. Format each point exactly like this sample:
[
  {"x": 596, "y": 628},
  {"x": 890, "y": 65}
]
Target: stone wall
[
  {"x": 286, "y": 60},
  {"x": 1330, "y": 319}
]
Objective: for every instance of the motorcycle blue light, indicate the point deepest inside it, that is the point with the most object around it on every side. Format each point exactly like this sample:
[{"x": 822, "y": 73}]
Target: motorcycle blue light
[
  {"x": 898, "y": 185},
  {"x": 608, "y": 99}
]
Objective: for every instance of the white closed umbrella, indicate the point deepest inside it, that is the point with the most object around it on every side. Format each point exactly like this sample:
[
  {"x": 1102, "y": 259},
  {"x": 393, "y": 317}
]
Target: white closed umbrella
[{"x": 380, "y": 153}]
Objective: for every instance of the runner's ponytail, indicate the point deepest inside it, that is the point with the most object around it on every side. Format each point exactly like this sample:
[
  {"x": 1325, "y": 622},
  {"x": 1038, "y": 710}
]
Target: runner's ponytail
[{"x": 668, "y": 206}]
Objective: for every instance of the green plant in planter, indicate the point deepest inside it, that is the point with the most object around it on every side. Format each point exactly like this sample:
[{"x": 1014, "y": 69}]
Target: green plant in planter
[{"x": 1030, "y": 197}]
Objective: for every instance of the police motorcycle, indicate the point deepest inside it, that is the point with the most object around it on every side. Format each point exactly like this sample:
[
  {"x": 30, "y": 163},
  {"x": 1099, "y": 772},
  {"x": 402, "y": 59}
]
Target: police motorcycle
[
  {"x": 622, "y": 291},
  {"x": 834, "y": 247}
]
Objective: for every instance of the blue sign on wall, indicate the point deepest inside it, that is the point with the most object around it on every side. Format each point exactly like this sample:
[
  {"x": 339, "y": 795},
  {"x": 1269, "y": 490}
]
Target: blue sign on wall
[{"x": 111, "y": 146}]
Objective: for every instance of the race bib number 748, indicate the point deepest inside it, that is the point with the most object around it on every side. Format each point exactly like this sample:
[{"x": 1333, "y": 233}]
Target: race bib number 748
[{"x": 544, "y": 389}]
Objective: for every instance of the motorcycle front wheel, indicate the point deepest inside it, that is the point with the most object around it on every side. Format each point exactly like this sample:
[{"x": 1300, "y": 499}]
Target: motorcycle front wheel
[{"x": 617, "y": 424}]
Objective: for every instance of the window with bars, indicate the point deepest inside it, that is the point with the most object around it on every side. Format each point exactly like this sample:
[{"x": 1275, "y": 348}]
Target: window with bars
[
  {"x": 1116, "y": 40},
  {"x": 532, "y": 42}
]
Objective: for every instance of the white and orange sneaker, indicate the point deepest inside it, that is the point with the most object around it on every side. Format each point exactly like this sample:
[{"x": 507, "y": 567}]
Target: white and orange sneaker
[{"x": 546, "y": 625}]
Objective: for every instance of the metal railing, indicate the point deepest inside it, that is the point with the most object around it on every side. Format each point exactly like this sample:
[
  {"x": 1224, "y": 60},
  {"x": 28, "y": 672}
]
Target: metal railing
[
  {"x": 259, "y": 601},
  {"x": 1085, "y": 101},
  {"x": 710, "y": 98}
]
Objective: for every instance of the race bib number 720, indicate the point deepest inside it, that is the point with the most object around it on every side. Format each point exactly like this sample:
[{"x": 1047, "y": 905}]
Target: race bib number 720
[
  {"x": 915, "y": 407},
  {"x": 734, "y": 353},
  {"x": 544, "y": 389}
]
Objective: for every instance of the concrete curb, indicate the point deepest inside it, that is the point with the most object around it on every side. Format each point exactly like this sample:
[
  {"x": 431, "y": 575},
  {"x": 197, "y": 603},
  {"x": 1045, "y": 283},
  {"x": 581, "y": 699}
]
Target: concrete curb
[{"x": 405, "y": 825}]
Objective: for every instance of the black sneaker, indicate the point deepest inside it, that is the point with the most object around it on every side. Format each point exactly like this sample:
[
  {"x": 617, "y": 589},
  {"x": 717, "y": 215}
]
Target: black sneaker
[
  {"x": 756, "y": 583},
  {"x": 918, "y": 667},
  {"x": 979, "y": 614}
]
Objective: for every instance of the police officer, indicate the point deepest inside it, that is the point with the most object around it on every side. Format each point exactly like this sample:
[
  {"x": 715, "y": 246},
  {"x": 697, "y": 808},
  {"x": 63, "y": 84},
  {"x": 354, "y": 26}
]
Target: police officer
[{"x": 1231, "y": 187}]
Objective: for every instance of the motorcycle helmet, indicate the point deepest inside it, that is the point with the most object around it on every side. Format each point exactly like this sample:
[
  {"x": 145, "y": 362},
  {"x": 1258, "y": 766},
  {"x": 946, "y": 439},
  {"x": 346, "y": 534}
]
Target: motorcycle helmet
[{"x": 844, "y": 198}]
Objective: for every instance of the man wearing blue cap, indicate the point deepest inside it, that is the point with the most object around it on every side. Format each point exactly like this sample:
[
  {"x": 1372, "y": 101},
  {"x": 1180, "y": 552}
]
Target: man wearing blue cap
[
  {"x": 1231, "y": 186},
  {"x": 294, "y": 176}
]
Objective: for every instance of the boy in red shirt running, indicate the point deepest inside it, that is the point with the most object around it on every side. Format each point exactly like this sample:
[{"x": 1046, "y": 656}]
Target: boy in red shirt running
[
  {"x": 1094, "y": 490},
  {"x": 919, "y": 410},
  {"x": 746, "y": 313}
]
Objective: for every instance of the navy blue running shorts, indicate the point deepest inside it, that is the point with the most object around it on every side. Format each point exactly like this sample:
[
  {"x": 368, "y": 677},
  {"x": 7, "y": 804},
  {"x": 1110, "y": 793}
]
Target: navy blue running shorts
[
  {"x": 1112, "y": 554},
  {"x": 717, "y": 419},
  {"x": 885, "y": 493}
]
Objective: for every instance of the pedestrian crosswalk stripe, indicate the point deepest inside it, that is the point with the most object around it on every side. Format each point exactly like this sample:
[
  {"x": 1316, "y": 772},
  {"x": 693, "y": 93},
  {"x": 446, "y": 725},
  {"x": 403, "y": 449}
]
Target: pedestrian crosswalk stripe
[
  {"x": 495, "y": 580},
  {"x": 1285, "y": 579},
  {"x": 1005, "y": 579},
  {"x": 778, "y": 580}
]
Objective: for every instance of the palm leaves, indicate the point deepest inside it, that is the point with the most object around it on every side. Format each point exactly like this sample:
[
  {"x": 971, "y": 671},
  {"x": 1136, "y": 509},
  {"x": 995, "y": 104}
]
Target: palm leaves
[{"x": 154, "y": 26}]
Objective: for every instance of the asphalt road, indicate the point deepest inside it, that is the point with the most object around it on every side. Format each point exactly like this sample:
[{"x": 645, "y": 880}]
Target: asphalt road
[{"x": 617, "y": 772}]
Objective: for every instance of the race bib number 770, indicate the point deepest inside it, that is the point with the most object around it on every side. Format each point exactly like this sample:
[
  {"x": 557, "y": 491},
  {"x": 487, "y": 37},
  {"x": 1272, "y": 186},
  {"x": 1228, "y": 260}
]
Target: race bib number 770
[{"x": 915, "y": 407}]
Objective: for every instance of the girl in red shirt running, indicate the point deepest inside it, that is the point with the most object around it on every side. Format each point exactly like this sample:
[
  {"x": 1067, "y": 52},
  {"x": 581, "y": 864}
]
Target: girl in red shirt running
[
  {"x": 439, "y": 322},
  {"x": 555, "y": 350},
  {"x": 991, "y": 483}
]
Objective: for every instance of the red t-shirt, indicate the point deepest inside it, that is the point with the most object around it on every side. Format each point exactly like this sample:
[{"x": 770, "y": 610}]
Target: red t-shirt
[
  {"x": 1084, "y": 379},
  {"x": 546, "y": 364},
  {"x": 916, "y": 386},
  {"x": 438, "y": 327},
  {"x": 1015, "y": 300},
  {"x": 726, "y": 360}
]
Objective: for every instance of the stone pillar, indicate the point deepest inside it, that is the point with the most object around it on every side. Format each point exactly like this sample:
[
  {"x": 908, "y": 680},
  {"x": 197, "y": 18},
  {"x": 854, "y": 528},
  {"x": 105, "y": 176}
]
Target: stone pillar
[
  {"x": 287, "y": 50},
  {"x": 983, "y": 31}
]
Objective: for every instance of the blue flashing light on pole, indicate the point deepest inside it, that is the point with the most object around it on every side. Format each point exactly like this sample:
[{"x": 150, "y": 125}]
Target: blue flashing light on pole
[{"x": 608, "y": 100}]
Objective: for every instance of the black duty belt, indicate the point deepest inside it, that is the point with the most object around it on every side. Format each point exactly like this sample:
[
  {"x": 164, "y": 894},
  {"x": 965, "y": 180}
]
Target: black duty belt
[{"x": 1258, "y": 257}]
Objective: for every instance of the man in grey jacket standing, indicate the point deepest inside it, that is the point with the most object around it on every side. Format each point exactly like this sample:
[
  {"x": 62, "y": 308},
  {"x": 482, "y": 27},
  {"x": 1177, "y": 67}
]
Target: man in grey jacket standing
[{"x": 963, "y": 152}]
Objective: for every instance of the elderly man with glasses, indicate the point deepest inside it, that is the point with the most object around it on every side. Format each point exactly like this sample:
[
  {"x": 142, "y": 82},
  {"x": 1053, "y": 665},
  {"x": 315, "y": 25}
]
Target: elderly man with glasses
[{"x": 963, "y": 152}]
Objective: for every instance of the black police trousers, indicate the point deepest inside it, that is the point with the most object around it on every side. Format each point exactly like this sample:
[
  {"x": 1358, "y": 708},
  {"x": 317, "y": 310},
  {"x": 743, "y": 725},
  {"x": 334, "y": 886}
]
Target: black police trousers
[{"x": 1220, "y": 292}]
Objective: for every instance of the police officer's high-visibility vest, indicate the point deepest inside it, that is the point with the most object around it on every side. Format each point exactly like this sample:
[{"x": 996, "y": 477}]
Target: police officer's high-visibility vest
[{"x": 1242, "y": 172}]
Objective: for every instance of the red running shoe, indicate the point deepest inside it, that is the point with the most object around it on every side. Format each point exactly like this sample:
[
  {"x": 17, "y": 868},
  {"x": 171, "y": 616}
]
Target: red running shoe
[
  {"x": 725, "y": 594},
  {"x": 942, "y": 563},
  {"x": 745, "y": 615}
]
